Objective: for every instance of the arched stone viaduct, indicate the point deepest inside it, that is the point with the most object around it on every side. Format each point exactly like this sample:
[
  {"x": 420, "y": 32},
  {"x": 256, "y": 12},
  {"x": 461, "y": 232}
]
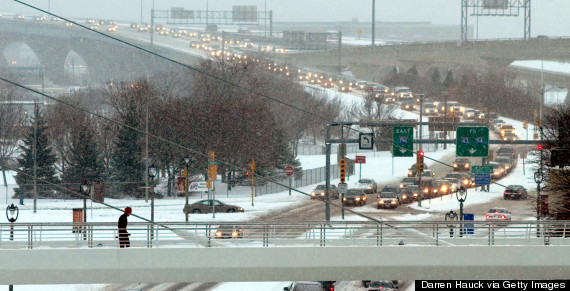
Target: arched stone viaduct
[{"x": 106, "y": 59}]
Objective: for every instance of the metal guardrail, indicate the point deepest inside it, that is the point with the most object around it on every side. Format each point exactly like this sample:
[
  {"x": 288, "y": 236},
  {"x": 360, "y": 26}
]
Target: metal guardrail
[{"x": 320, "y": 234}]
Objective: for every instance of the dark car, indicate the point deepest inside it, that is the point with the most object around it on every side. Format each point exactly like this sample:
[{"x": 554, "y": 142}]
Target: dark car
[
  {"x": 229, "y": 231},
  {"x": 406, "y": 195},
  {"x": 515, "y": 192},
  {"x": 206, "y": 206},
  {"x": 381, "y": 286},
  {"x": 391, "y": 189},
  {"x": 354, "y": 197},
  {"x": 498, "y": 170},
  {"x": 412, "y": 170},
  {"x": 408, "y": 181},
  {"x": 462, "y": 164},
  {"x": 304, "y": 286},
  {"x": 507, "y": 150},
  {"x": 415, "y": 192}
]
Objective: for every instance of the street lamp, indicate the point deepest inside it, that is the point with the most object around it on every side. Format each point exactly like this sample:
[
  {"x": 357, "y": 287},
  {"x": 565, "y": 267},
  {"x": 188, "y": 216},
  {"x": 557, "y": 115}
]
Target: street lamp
[
  {"x": 538, "y": 178},
  {"x": 187, "y": 161},
  {"x": 12, "y": 213},
  {"x": 461, "y": 196},
  {"x": 152, "y": 172},
  {"x": 85, "y": 189}
]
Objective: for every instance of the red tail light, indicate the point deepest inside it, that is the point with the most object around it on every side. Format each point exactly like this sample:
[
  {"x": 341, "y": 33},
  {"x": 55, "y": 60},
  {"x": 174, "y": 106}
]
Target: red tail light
[
  {"x": 505, "y": 192},
  {"x": 332, "y": 289},
  {"x": 488, "y": 216},
  {"x": 502, "y": 217}
]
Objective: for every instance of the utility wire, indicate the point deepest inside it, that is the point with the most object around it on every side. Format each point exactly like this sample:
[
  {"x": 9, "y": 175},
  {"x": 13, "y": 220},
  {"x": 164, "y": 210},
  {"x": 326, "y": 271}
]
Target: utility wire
[{"x": 185, "y": 65}]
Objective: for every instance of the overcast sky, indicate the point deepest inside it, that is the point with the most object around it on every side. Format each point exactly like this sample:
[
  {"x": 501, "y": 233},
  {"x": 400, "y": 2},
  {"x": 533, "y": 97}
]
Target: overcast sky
[{"x": 549, "y": 17}]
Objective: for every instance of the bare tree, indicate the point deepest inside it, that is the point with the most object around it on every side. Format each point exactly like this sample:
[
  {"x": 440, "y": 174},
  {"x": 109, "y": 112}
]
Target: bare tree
[{"x": 13, "y": 124}]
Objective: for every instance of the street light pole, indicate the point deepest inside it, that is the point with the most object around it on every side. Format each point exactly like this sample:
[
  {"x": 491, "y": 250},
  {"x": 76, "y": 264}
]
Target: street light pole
[
  {"x": 152, "y": 172},
  {"x": 461, "y": 196},
  {"x": 186, "y": 166},
  {"x": 34, "y": 153},
  {"x": 12, "y": 212},
  {"x": 85, "y": 190}
]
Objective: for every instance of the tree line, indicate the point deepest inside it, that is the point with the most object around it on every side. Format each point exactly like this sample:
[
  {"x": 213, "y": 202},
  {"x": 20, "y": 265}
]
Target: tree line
[{"x": 239, "y": 110}]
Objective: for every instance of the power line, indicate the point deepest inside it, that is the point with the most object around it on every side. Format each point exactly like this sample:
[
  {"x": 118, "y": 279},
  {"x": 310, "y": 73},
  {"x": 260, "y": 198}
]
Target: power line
[{"x": 183, "y": 65}]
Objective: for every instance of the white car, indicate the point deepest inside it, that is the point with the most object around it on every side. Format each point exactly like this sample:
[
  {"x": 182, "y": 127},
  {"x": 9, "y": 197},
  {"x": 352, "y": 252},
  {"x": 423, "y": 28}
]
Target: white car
[
  {"x": 498, "y": 214},
  {"x": 367, "y": 185}
]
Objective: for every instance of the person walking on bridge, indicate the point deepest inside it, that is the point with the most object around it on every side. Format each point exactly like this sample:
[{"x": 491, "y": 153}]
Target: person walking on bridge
[{"x": 122, "y": 226}]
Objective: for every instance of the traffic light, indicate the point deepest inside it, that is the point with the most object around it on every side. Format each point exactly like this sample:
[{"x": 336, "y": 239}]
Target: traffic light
[
  {"x": 342, "y": 170},
  {"x": 539, "y": 147},
  {"x": 213, "y": 172},
  {"x": 420, "y": 162},
  {"x": 525, "y": 124}
]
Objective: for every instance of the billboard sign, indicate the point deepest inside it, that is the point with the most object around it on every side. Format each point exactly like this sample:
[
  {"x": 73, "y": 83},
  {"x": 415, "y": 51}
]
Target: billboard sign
[{"x": 242, "y": 13}]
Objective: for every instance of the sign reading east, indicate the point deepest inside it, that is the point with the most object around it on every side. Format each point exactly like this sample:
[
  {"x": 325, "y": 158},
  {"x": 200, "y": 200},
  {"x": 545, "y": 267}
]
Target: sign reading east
[
  {"x": 472, "y": 142},
  {"x": 403, "y": 145}
]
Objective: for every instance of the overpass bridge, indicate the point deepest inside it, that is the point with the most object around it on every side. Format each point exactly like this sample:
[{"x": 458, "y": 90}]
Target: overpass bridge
[
  {"x": 109, "y": 59},
  {"x": 106, "y": 58},
  {"x": 67, "y": 253},
  {"x": 373, "y": 62}
]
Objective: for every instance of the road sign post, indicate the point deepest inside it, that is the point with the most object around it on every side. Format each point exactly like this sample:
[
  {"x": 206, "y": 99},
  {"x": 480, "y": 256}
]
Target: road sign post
[
  {"x": 403, "y": 145},
  {"x": 360, "y": 160},
  {"x": 365, "y": 141},
  {"x": 472, "y": 142}
]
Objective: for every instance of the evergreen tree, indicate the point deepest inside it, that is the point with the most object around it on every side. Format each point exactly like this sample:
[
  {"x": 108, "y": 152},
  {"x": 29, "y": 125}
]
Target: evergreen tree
[
  {"x": 413, "y": 71},
  {"x": 45, "y": 161},
  {"x": 85, "y": 163},
  {"x": 436, "y": 77},
  {"x": 449, "y": 81},
  {"x": 126, "y": 160}
]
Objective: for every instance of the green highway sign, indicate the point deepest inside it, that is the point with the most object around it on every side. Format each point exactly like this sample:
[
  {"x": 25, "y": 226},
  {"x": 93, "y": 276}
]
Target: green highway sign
[
  {"x": 472, "y": 142},
  {"x": 481, "y": 169},
  {"x": 214, "y": 163},
  {"x": 403, "y": 145}
]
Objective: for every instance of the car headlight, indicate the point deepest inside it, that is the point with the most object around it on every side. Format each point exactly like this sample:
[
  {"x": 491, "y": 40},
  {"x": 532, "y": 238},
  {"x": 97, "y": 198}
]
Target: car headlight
[
  {"x": 343, "y": 199},
  {"x": 467, "y": 166},
  {"x": 426, "y": 190},
  {"x": 312, "y": 193},
  {"x": 443, "y": 188},
  {"x": 381, "y": 202},
  {"x": 218, "y": 233},
  {"x": 393, "y": 202},
  {"x": 240, "y": 209},
  {"x": 404, "y": 196},
  {"x": 357, "y": 199},
  {"x": 235, "y": 233},
  {"x": 322, "y": 194}
]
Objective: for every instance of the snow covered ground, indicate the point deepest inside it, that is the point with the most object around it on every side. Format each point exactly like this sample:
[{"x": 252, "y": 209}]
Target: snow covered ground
[{"x": 379, "y": 165}]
